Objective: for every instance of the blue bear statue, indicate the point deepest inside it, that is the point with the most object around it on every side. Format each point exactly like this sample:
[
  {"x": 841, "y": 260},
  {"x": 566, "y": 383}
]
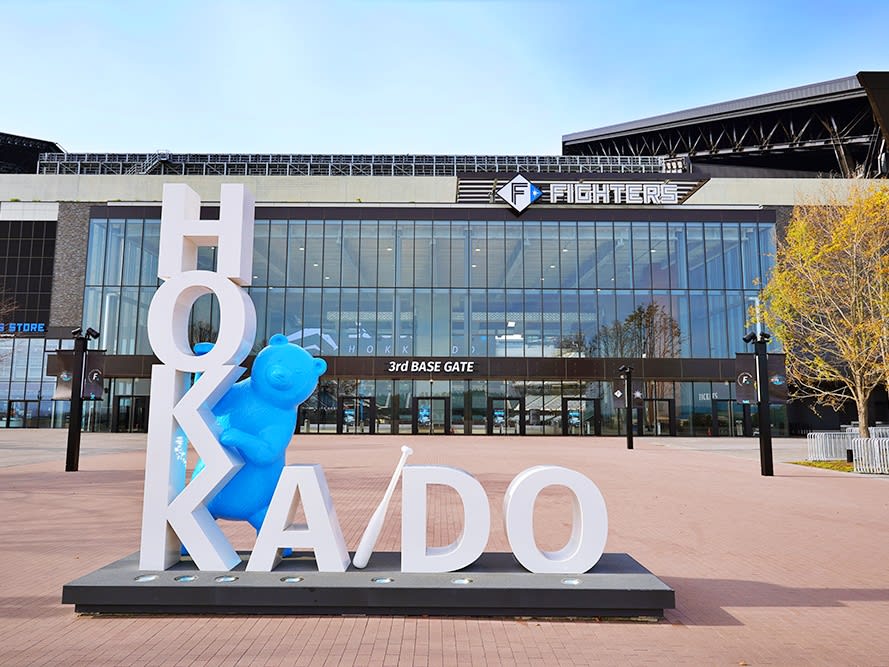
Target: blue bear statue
[{"x": 257, "y": 417}]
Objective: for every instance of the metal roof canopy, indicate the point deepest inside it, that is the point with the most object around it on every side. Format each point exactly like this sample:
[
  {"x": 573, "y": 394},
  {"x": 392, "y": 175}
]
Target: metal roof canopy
[
  {"x": 845, "y": 88},
  {"x": 20, "y": 154},
  {"x": 839, "y": 126}
]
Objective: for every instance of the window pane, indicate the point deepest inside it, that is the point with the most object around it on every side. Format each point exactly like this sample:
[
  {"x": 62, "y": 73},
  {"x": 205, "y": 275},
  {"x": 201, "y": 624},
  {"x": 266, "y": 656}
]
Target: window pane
[
  {"x": 296, "y": 243},
  {"x": 277, "y": 253},
  {"x": 641, "y": 256},
  {"x": 366, "y": 253},
  {"x": 531, "y": 255},
  {"x": 349, "y": 321},
  {"x": 387, "y": 258},
  {"x": 734, "y": 278},
  {"x": 676, "y": 240},
  {"x": 314, "y": 252},
  {"x": 150, "y": 248},
  {"x": 114, "y": 252},
  {"x": 700, "y": 339},
  {"x": 605, "y": 255},
  {"x": 333, "y": 253},
  {"x": 660, "y": 256},
  {"x": 750, "y": 255},
  {"x": 623, "y": 255},
  {"x": 132, "y": 252},
  {"x": 353, "y": 254},
  {"x": 423, "y": 264},
  {"x": 95, "y": 255},
  {"x": 713, "y": 243},
  {"x": 568, "y": 254},
  {"x": 367, "y": 309},
  {"x": 260, "y": 253}
]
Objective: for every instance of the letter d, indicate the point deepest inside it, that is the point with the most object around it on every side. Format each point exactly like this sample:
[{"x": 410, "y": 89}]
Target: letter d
[{"x": 415, "y": 555}]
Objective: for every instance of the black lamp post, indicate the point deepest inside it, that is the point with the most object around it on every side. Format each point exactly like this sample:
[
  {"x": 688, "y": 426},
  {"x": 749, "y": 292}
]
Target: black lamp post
[
  {"x": 72, "y": 459},
  {"x": 760, "y": 341},
  {"x": 626, "y": 372}
]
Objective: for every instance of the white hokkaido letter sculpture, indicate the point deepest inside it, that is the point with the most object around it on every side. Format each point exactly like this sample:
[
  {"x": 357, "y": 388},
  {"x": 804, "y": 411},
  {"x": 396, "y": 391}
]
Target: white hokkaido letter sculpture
[
  {"x": 174, "y": 514},
  {"x": 589, "y": 529},
  {"x": 321, "y": 532},
  {"x": 415, "y": 555}
]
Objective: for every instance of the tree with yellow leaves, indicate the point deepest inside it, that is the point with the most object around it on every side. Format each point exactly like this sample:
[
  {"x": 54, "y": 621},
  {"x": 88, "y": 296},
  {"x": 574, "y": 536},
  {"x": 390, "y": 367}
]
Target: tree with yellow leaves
[{"x": 828, "y": 299}]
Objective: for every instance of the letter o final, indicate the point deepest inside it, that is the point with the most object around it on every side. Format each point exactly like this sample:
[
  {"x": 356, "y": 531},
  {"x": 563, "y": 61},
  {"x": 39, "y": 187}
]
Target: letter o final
[{"x": 589, "y": 521}]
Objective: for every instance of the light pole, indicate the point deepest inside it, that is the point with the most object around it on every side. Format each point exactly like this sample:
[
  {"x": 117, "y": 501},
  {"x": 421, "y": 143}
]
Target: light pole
[
  {"x": 760, "y": 340},
  {"x": 626, "y": 372},
  {"x": 72, "y": 457}
]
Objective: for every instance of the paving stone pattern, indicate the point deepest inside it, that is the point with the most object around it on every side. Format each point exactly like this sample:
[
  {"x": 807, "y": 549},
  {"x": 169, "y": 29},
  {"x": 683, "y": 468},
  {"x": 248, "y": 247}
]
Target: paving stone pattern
[{"x": 787, "y": 570}]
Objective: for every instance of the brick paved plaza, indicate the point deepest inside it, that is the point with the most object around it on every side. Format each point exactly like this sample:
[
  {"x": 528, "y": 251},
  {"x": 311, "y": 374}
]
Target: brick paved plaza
[{"x": 788, "y": 570}]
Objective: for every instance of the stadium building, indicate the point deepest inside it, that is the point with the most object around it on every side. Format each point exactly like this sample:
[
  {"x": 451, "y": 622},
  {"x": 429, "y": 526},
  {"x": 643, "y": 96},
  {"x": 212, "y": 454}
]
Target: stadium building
[{"x": 452, "y": 294}]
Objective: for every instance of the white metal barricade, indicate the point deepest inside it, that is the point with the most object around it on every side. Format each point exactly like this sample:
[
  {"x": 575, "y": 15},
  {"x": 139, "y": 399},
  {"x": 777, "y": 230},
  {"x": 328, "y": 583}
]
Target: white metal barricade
[
  {"x": 871, "y": 455},
  {"x": 828, "y": 445}
]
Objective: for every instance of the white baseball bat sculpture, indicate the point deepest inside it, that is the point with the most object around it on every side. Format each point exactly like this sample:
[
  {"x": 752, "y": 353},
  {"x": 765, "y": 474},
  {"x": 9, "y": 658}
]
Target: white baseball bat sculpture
[{"x": 372, "y": 532}]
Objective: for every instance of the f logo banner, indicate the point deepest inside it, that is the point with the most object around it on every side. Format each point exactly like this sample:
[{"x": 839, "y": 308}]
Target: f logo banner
[{"x": 519, "y": 193}]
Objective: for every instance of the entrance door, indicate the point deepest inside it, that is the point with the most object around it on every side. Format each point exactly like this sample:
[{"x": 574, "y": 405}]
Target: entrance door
[
  {"x": 431, "y": 414},
  {"x": 356, "y": 414},
  {"x": 23, "y": 414},
  {"x": 621, "y": 417},
  {"x": 659, "y": 417},
  {"x": 505, "y": 416},
  {"x": 727, "y": 422},
  {"x": 130, "y": 414},
  {"x": 581, "y": 416}
]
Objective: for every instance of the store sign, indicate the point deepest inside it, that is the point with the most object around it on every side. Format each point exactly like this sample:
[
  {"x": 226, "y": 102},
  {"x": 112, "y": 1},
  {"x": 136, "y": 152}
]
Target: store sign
[
  {"x": 22, "y": 327},
  {"x": 445, "y": 367}
]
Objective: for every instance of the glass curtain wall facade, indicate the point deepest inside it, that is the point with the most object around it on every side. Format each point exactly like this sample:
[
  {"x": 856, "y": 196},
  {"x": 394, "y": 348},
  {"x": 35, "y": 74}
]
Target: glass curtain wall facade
[{"x": 375, "y": 283}]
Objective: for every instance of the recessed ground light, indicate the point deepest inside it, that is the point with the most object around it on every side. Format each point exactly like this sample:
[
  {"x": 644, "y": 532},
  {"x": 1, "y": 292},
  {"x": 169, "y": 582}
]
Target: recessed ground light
[
  {"x": 564, "y": 249},
  {"x": 382, "y": 580},
  {"x": 315, "y": 264},
  {"x": 475, "y": 266},
  {"x": 571, "y": 582},
  {"x": 389, "y": 249},
  {"x": 185, "y": 578},
  {"x": 225, "y": 579},
  {"x": 477, "y": 249},
  {"x": 301, "y": 248},
  {"x": 326, "y": 277},
  {"x": 291, "y": 580},
  {"x": 462, "y": 581},
  {"x": 552, "y": 266},
  {"x": 145, "y": 577}
]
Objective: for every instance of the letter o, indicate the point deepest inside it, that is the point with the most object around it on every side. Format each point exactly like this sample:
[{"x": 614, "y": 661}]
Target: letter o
[
  {"x": 589, "y": 529},
  {"x": 169, "y": 313}
]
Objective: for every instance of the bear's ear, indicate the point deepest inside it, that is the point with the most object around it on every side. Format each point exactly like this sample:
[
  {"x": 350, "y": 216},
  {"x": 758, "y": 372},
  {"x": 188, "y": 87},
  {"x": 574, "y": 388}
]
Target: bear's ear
[
  {"x": 320, "y": 366},
  {"x": 278, "y": 339}
]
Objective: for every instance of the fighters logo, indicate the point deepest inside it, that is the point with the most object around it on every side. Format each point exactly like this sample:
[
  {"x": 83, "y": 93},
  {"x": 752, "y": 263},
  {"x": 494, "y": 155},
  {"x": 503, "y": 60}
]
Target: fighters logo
[{"x": 519, "y": 193}]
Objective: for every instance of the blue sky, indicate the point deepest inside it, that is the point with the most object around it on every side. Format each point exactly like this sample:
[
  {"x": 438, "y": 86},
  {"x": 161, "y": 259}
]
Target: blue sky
[{"x": 403, "y": 76}]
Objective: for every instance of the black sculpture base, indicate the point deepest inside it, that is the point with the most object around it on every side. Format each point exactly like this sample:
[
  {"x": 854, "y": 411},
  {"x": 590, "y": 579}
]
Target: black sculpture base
[{"x": 495, "y": 585}]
